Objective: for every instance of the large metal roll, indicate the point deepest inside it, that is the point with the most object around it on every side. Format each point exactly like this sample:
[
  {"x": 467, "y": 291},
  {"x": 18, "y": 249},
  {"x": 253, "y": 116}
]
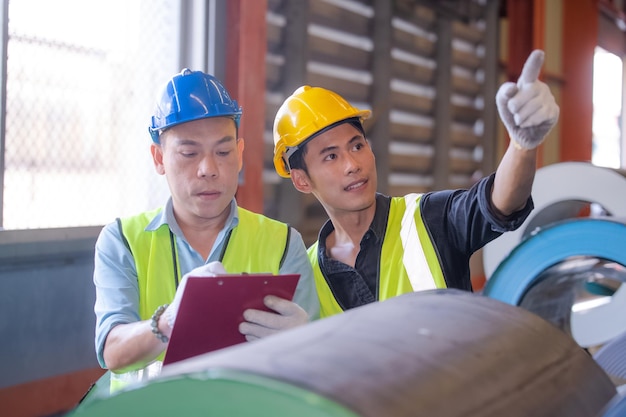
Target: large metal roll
[
  {"x": 441, "y": 353},
  {"x": 573, "y": 274},
  {"x": 562, "y": 191}
]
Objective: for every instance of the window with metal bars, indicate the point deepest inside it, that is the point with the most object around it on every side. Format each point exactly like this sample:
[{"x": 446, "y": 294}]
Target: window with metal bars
[{"x": 80, "y": 87}]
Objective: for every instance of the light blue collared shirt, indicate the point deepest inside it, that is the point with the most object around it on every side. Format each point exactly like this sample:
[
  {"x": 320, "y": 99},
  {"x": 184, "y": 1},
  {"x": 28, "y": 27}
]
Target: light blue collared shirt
[{"x": 115, "y": 274}]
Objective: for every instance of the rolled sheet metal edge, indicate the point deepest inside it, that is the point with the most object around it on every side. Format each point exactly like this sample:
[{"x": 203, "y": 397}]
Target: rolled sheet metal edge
[
  {"x": 599, "y": 237},
  {"x": 562, "y": 182}
]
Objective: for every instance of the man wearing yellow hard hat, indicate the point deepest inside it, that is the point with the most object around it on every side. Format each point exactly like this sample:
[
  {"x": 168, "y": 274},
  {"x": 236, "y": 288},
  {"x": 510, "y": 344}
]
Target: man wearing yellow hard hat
[{"x": 374, "y": 247}]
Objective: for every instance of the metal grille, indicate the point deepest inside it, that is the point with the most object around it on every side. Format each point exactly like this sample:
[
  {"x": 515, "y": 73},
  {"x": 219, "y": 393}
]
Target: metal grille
[{"x": 81, "y": 80}]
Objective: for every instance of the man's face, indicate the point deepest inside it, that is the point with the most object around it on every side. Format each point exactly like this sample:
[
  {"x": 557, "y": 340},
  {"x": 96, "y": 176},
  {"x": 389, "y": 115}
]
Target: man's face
[
  {"x": 201, "y": 161},
  {"x": 342, "y": 170}
]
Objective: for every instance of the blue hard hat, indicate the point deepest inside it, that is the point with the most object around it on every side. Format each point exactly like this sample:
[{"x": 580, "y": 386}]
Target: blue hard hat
[{"x": 192, "y": 95}]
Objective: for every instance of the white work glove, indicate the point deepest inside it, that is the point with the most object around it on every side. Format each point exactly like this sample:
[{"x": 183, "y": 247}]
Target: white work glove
[
  {"x": 528, "y": 109},
  {"x": 260, "y": 323},
  {"x": 211, "y": 269}
]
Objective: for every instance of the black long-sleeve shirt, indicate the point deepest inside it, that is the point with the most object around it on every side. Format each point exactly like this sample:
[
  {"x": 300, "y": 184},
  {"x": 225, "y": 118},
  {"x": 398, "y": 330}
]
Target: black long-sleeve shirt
[{"x": 459, "y": 222}]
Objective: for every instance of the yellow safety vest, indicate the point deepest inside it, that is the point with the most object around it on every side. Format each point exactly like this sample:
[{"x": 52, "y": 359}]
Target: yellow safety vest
[
  {"x": 408, "y": 259},
  {"x": 257, "y": 244}
]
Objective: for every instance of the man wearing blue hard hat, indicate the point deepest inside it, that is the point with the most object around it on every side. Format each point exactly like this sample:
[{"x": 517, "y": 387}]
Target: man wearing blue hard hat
[{"x": 140, "y": 260}]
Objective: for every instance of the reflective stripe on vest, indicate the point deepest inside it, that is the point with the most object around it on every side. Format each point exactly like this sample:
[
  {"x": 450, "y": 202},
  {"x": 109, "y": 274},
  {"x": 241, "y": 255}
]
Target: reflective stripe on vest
[
  {"x": 413, "y": 258},
  {"x": 408, "y": 259}
]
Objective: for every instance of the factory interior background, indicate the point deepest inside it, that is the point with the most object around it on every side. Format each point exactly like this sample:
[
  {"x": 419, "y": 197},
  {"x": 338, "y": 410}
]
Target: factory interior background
[{"x": 79, "y": 83}]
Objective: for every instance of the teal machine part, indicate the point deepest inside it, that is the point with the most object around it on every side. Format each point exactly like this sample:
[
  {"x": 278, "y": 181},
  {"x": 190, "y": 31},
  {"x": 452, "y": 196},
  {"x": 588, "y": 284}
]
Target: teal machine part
[
  {"x": 434, "y": 353},
  {"x": 573, "y": 274},
  {"x": 592, "y": 237},
  {"x": 215, "y": 392},
  {"x": 563, "y": 191}
]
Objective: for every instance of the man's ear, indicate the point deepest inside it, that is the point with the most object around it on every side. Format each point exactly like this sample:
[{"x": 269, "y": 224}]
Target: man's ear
[
  {"x": 240, "y": 146},
  {"x": 157, "y": 158},
  {"x": 301, "y": 181}
]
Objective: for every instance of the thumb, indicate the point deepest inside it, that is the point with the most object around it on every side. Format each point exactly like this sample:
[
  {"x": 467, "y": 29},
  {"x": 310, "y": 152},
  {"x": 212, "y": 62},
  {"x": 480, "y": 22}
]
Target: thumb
[
  {"x": 505, "y": 92},
  {"x": 281, "y": 306},
  {"x": 532, "y": 68},
  {"x": 290, "y": 314}
]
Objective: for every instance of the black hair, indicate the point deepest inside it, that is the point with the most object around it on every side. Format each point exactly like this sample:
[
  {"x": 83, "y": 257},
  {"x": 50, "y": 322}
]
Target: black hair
[{"x": 296, "y": 160}]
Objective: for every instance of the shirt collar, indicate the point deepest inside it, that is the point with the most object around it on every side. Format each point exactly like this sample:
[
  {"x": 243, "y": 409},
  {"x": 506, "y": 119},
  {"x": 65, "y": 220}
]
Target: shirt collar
[
  {"x": 377, "y": 227},
  {"x": 379, "y": 222},
  {"x": 166, "y": 216}
]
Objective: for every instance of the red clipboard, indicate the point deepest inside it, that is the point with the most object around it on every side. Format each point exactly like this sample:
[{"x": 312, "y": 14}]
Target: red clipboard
[{"x": 211, "y": 309}]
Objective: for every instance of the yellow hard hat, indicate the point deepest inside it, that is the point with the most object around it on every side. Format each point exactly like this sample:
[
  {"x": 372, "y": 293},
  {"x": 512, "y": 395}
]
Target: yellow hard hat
[{"x": 306, "y": 112}]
